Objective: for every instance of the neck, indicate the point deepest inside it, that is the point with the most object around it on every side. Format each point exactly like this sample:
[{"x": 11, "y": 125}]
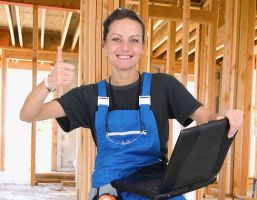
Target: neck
[{"x": 124, "y": 78}]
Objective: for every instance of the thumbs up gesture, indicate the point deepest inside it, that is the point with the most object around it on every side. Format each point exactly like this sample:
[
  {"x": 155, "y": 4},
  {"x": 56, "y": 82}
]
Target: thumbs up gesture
[{"x": 62, "y": 74}]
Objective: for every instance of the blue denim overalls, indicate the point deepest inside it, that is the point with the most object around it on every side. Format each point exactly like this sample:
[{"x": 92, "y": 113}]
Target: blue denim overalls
[{"x": 127, "y": 140}]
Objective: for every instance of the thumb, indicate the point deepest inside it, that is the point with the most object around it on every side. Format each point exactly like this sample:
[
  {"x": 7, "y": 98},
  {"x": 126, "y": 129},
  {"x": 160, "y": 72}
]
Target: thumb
[{"x": 59, "y": 54}]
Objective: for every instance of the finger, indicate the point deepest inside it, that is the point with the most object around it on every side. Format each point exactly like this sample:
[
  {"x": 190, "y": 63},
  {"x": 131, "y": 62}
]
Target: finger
[
  {"x": 59, "y": 54},
  {"x": 68, "y": 66}
]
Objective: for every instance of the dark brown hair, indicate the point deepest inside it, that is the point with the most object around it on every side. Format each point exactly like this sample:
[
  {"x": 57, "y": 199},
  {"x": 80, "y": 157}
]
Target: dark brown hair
[{"x": 122, "y": 13}]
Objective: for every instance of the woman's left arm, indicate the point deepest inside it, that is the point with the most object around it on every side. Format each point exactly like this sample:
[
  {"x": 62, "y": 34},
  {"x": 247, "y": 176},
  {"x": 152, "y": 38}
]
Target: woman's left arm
[{"x": 235, "y": 117}]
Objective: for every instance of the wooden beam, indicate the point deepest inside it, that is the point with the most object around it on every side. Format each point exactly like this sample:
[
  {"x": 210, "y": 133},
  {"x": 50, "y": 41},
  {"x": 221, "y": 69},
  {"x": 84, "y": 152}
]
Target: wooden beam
[
  {"x": 170, "y": 64},
  {"x": 75, "y": 38},
  {"x": 65, "y": 28},
  {"x": 27, "y": 65},
  {"x": 3, "y": 110},
  {"x": 5, "y": 38},
  {"x": 185, "y": 41},
  {"x": 149, "y": 44},
  {"x": 144, "y": 13},
  {"x": 65, "y": 4},
  {"x": 43, "y": 18},
  {"x": 174, "y": 13},
  {"x": 43, "y": 55},
  {"x": 9, "y": 19},
  {"x": 227, "y": 77},
  {"x": 18, "y": 19},
  {"x": 34, "y": 83}
]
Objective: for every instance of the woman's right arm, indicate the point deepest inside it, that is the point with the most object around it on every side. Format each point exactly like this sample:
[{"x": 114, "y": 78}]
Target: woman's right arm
[{"x": 34, "y": 108}]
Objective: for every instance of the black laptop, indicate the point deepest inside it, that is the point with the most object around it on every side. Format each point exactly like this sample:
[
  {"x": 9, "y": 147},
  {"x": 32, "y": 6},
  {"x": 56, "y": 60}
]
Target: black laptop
[{"x": 195, "y": 162}]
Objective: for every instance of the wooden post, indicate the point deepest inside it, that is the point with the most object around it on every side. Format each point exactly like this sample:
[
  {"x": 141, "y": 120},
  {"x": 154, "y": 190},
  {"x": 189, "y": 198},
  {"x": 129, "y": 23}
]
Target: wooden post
[
  {"x": 255, "y": 119},
  {"x": 171, "y": 45},
  {"x": 185, "y": 41},
  {"x": 3, "y": 109},
  {"x": 34, "y": 83},
  {"x": 211, "y": 56},
  {"x": 144, "y": 13},
  {"x": 227, "y": 76},
  {"x": 201, "y": 83},
  {"x": 244, "y": 62},
  {"x": 149, "y": 45}
]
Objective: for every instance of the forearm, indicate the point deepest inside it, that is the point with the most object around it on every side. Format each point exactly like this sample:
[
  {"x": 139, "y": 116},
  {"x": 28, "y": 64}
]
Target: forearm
[
  {"x": 34, "y": 103},
  {"x": 202, "y": 115}
]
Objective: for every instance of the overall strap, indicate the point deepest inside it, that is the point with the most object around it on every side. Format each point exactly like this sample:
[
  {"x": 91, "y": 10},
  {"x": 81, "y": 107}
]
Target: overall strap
[
  {"x": 146, "y": 84},
  {"x": 103, "y": 100},
  {"x": 145, "y": 98}
]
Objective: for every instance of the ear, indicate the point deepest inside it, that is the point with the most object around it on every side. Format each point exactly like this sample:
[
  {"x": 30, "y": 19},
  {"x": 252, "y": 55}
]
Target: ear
[{"x": 103, "y": 44}]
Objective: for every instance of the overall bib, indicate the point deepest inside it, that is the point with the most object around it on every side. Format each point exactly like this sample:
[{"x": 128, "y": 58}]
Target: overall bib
[{"x": 127, "y": 140}]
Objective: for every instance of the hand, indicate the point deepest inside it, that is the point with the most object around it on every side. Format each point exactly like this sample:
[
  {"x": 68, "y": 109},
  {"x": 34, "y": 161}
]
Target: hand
[
  {"x": 235, "y": 118},
  {"x": 62, "y": 74}
]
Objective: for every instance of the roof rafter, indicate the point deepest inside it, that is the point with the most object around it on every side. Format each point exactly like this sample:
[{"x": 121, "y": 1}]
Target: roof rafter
[
  {"x": 75, "y": 38},
  {"x": 19, "y": 26},
  {"x": 10, "y": 24},
  {"x": 65, "y": 28},
  {"x": 43, "y": 15},
  {"x": 65, "y": 4}
]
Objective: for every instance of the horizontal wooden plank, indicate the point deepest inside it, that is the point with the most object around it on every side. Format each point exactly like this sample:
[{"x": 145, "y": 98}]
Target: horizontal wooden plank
[
  {"x": 174, "y": 13},
  {"x": 65, "y": 4}
]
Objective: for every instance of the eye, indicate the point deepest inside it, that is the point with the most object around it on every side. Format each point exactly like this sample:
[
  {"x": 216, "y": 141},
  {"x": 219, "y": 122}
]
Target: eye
[
  {"x": 134, "y": 40},
  {"x": 116, "y": 39}
]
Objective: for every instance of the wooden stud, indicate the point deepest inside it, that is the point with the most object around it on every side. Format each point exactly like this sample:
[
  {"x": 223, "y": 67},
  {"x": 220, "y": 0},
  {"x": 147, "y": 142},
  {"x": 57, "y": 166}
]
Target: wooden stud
[
  {"x": 149, "y": 45},
  {"x": 185, "y": 39},
  {"x": 104, "y": 56},
  {"x": 144, "y": 13},
  {"x": 249, "y": 66},
  {"x": 170, "y": 63},
  {"x": 99, "y": 11},
  {"x": 34, "y": 83},
  {"x": 211, "y": 58},
  {"x": 227, "y": 83},
  {"x": 255, "y": 118},
  {"x": 3, "y": 109}
]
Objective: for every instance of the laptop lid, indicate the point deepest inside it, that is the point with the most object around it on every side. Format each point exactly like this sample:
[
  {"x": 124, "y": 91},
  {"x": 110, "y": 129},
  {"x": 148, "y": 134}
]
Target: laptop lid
[{"x": 195, "y": 162}]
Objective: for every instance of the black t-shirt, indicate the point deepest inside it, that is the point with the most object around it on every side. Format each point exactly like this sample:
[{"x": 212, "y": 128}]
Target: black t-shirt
[{"x": 169, "y": 100}]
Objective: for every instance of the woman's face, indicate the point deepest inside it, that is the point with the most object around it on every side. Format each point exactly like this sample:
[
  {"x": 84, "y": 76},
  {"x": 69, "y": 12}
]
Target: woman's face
[{"x": 124, "y": 44}]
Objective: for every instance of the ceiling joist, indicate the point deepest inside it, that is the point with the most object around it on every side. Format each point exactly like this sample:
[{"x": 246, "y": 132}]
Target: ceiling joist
[
  {"x": 10, "y": 24},
  {"x": 73, "y": 5},
  {"x": 19, "y": 26},
  {"x": 43, "y": 18},
  {"x": 65, "y": 28},
  {"x": 75, "y": 38}
]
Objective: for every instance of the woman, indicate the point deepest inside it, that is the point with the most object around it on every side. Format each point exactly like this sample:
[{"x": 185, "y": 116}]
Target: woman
[{"x": 128, "y": 115}]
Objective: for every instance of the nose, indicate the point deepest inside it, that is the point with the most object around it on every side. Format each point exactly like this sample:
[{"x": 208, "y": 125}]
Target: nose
[{"x": 125, "y": 46}]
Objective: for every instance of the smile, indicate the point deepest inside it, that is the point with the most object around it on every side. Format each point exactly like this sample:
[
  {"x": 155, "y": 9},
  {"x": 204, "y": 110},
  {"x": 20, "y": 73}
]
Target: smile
[{"x": 124, "y": 57}]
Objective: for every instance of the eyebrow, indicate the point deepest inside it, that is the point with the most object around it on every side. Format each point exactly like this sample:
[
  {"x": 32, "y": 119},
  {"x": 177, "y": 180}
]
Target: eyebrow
[{"x": 129, "y": 37}]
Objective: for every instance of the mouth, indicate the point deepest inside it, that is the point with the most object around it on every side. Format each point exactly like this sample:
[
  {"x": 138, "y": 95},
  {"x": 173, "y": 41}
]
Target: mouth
[{"x": 124, "y": 57}]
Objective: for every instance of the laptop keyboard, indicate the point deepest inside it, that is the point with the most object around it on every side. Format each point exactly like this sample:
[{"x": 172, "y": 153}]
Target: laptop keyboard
[{"x": 152, "y": 185}]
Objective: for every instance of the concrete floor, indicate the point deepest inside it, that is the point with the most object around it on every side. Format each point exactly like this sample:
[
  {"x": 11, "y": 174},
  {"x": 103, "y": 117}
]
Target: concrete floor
[{"x": 11, "y": 191}]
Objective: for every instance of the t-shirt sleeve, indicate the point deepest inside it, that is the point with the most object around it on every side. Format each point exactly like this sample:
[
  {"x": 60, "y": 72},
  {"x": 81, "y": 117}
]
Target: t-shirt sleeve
[
  {"x": 76, "y": 110},
  {"x": 180, "y": 101}
]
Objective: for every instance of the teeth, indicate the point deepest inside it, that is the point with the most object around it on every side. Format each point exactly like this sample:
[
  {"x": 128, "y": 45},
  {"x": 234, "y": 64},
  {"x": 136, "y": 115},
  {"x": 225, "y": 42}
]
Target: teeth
[{"x": 124, "y": 57}]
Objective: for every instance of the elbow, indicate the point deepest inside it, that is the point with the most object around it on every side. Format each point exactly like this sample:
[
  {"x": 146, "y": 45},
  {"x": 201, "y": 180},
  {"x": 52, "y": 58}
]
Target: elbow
[{"x": 25, "y": 117}]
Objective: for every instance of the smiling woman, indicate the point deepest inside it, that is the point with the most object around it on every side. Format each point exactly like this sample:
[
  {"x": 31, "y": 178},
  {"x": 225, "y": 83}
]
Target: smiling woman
[{"x": 128, "y": 116}]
